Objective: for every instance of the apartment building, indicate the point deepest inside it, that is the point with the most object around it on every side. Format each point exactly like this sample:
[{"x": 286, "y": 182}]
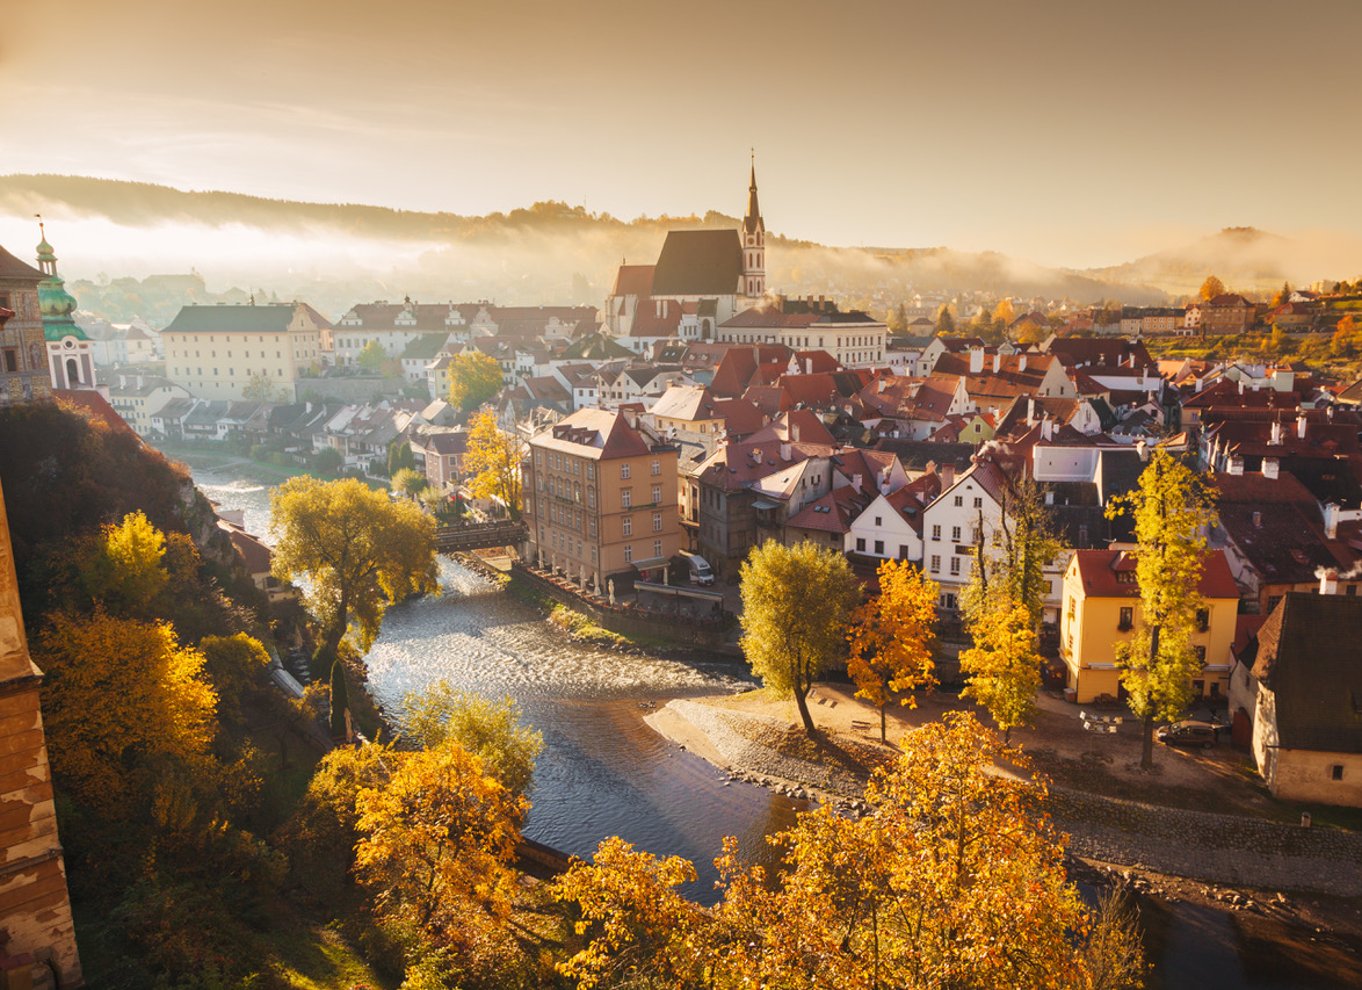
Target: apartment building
[
  {"x": 601, "y": 499},
  {"x": 219, "y": 352}
]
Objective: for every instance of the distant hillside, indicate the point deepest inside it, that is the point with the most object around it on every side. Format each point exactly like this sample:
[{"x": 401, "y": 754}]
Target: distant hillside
[
  {"x": 1244, "y": 258},
  {"x": 549, "y": 252}
]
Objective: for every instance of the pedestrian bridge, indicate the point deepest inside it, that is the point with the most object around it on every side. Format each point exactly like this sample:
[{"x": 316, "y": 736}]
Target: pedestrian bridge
[{"x": 479, "y": 536}]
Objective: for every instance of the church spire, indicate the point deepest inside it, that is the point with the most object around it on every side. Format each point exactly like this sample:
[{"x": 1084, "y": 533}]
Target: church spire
[
  {"x": 753, "y": 242},
  {"x": 753, "y": 218}
]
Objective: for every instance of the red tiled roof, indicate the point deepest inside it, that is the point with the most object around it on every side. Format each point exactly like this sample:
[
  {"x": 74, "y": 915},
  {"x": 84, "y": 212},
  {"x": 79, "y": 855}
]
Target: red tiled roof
[
  {"x": 1097, "y": 569},
  {"x": 634, "y": 280}
]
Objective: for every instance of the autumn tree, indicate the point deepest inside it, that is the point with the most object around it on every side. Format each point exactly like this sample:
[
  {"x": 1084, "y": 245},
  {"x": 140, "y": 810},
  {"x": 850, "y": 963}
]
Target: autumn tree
[
  {"x": 474, "y": 378},
  {"x": 891, "y": 638},
  {"x": 358, "y": 550},
  {"x": 491, "y": 730},
  {"x": 436, "y": 841},
  {"x": 1283, "y": 295},
  {"x": 120, "y": 693},
  {"x": 945, "y": 320},
  {"x": 1211, "y": 288},
  {"x": 410, "y": 482},
  {"x": 493, "y": 458},
  {"x": 640, "y": 931},
  {"x": 1004, "y": 312},
  {"x": 372, "y": 358},
  {"x": 260, "y": 388},
  {"x": 1028, "y": 545},
  {"x": 1002, "y": 667},
  {"x": 1172, "y": 509},
  {"x": 233, "y": 664},
  {"x": 127, "y": 569},
  {"x": 797, "y": 603}
]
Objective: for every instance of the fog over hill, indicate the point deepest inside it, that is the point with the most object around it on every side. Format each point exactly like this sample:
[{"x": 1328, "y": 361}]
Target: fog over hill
[{"x": 336, "y": 254}]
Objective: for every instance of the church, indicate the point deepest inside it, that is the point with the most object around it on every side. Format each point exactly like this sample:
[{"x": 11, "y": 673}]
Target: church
[
  {"x": 41, "y": 347},
  {"x": 701, "y": 279}
]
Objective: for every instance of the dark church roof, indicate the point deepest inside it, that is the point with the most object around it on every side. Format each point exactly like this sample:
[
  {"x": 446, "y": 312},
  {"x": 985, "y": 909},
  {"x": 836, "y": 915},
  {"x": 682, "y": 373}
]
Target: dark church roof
[
  {"x": 1307, "y": 657},
  {"x": 12, "y": 267},
  {"x": 699, "y": 263}
]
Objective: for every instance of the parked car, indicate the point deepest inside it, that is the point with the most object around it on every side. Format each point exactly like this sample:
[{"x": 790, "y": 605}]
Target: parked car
[{"x": 1189, "y": 732}]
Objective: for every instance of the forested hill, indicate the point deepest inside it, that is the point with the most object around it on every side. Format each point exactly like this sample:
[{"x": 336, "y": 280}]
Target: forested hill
[{"x": 547, "y": 253}]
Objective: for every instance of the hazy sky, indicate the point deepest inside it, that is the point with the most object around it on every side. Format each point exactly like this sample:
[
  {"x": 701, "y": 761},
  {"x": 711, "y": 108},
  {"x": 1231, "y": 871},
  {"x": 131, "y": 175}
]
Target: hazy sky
[{"x": 1082, "y": 132}]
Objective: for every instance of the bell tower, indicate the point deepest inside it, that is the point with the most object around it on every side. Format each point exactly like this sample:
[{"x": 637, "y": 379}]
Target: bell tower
[{"x": 753, "y": 243}]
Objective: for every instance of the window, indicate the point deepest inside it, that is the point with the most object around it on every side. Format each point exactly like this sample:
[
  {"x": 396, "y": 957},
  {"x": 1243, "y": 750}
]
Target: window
[
  {"x": 657, "y": 494},
  {"x": 879, "y": 548},
  {"x": 624, "y": 470},
  {"x": 879, "y": 521},
  {"x": 11, "y": 359},
  {"x": 1336, "y": 772},
  {"x": 628, "y": 553},
  {"x": 657, "y": 548},
  {"x": 936, "y": 532},
  {"x": 903, "y": 551},
  {"x": 955, "y": 534},
  {"x": 1127, "y": 616},
  {"x": 1071, "y": 609},
  {"x": 959, "y": 501},
  {"x": 936, "y": 562},
  {"x": 591, "y": 470},
  {"x": 627, "y": 497},
  {"x": 955, "y": 565},
  {"x": 1203, "y": 619},
  {"x": 860, "y": 545},
  {"x": 656, "y": 468},
  {"x": 978, "y": 503},
  {"x": 657, "y": 522},
  {"x": 1200, "y": 654},
  {"x": 590, "y": 497}
]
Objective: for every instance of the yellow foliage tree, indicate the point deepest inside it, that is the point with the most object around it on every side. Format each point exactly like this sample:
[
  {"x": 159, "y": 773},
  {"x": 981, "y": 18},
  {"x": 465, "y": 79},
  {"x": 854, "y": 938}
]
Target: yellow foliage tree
[
  {"x": 1004, "y": 312},
  {"x": 796, "y": 605},
  {"x": 1211, "y": 288},
  {"x": 435, "y": 844},
  {"x": 1172, "y": 508},
  {"x": 493, "y": 459},
  {"x": 120, "y": 692},
  {"x": 474, "y": 378},
  {"x": 891, "y": 638},
  {"x": 1003, "y": 665},
  {"x": 127, "y": 571},
  {"x": 490, "y": 730},
  {"x": 359, "y": 550}
]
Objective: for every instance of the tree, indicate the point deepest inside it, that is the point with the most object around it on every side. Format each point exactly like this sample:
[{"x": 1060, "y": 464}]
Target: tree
[
  {"x": 1283, "y": 295},
  {"x": 119, "y": 694},
  {"x": 410, "y": 483},
  {"x": 641, "y": 932},
  {"x": 233, "y": 664},
  {"x": 1344, "y": 341},
  {"x": 127, "y": 569},
  {"x": 400, "y": 456},
  {"x": 1211, "y": 288},
  {"x": 1172, "y": 508},
  {"x": 339, "y": 718},
  {"x": 1004, "y": 312},
  {"x": 328, "y": 460},
  {"x": 945, "y": 321},
  {"x": 797, "y": 602},
  {"x": 358, "y": 550},
  {"x": 474, "y": 378},
  {"x": 492, "y": 459},
  {"x": 891, "y": 638},
  {"x": 1003, "y": 665},
  {"x": 1028, "y": 544},
  {"x": 372, "y": 358},
  {"x": 436, "y": 841},
  {"x": 259, "y": 389},
  {"x": 490, "y": 730}
]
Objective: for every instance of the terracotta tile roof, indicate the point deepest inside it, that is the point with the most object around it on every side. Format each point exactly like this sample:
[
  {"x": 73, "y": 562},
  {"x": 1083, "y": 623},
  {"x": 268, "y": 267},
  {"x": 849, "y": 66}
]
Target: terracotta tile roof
[
  {"x": 1307, "y": 657},
  {"x": 810, "y": 362},
  {"x": 634, "y": 280},
  {"x": 1107, "y": 352},
  {"x": 600, "y": 434},
  {"x": 833, "y": 513},
  {"x": 794, "y": 425},
  {"x": 12, "y": 267},
  {"x": 772, "y": 400},
  {"x": 741, "y": 417},
  {"x": 656, "y": 318},
  {"x": 1098, "y": 570}
]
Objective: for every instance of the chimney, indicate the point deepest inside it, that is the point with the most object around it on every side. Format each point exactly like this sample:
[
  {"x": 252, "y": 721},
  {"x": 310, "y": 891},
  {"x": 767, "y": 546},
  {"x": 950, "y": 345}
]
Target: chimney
[
  {"x": 1328, "y": 582},
  {"x": 1270, "y": 467},
  {"x": 1236, "y": 465},
  {"x": 785, "y": 452},
  {"x": 1021, "y": 361},
  {"x": 976, "y": 360},
  {"x": 856, "y": 480},
  {"x": 794, "y": 432},
  {"x": 997, "y": 363},
  {"x": 808, "y": 366},
  {"x": 1275, "y": 437},
  {"x": 947, "y": 473},
  {"x": 1300, "y": 426},
  {"x": 1241, "y": 386},
  {"x": 1047, "y": 428},
  {"x": 1331, "y": 510}
]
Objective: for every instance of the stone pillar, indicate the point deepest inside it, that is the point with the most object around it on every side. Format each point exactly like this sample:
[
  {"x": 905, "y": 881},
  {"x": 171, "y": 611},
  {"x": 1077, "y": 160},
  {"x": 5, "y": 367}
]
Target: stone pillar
[{"x": 35, "y": 910}]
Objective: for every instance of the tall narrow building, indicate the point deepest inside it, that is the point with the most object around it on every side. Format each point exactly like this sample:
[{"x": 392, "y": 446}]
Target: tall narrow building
[
  {"x": 35, "y": 910},
  {"x": 70, "y": 363},
  {"x": 754, "y": 243}
]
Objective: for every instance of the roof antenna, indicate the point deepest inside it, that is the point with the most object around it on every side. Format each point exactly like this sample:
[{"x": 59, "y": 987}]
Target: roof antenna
[{"x": 42, "y": 229}]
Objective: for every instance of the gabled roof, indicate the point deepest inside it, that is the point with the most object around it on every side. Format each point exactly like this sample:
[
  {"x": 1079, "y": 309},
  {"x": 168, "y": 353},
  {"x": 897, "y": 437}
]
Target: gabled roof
[
  {"x": 1307, "y": 656},
  {"x": 12, "y": 267},
  {"x": 833, "y": 513},
  {"x": 600, "y": 434},
  {"x": 688, "y": 402},
  {"x": 796, "y": 426},
  {"x": 1098, "y": 570},
  {"x": 634, "y": 280},
  {"x": 264, "y": 318},
  {"x": 699, "y": 263}
]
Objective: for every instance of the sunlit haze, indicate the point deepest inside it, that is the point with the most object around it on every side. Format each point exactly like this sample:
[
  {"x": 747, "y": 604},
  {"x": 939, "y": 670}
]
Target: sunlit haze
[{"x": 1066, "y": 134}]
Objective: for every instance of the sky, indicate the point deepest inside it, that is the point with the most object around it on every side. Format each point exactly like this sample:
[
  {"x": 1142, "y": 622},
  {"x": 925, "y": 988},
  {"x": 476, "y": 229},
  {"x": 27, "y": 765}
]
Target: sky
[{"x": 1066, "y": 132}]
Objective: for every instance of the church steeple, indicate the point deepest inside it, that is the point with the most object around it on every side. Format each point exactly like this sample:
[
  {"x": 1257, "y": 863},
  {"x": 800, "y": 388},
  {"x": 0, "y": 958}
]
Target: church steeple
[{"x": 754, "y": 242}]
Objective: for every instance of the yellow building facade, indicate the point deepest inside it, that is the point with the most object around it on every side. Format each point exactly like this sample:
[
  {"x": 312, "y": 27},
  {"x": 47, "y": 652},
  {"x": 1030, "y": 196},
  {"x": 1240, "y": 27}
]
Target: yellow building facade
[
  {"x": 221, "y": 352},
  {"x": 1101, "y": 609}
]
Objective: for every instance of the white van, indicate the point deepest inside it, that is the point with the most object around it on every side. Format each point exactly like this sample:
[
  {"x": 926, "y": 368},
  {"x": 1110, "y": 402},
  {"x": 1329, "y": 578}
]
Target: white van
[{"x": 700, "y": 571}]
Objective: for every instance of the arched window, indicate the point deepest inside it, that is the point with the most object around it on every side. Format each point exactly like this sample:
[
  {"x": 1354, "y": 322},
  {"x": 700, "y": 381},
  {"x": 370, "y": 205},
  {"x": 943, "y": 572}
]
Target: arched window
[
  {"x": 35, "y": 357},
  {"x": 72, "y": 372}
]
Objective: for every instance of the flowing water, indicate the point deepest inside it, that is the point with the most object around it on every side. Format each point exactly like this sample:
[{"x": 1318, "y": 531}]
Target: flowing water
[{"x": 603, "y": 771}]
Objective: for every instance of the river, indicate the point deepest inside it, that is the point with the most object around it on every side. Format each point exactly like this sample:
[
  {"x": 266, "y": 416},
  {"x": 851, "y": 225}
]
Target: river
[{"x": 605, "y": 772}]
